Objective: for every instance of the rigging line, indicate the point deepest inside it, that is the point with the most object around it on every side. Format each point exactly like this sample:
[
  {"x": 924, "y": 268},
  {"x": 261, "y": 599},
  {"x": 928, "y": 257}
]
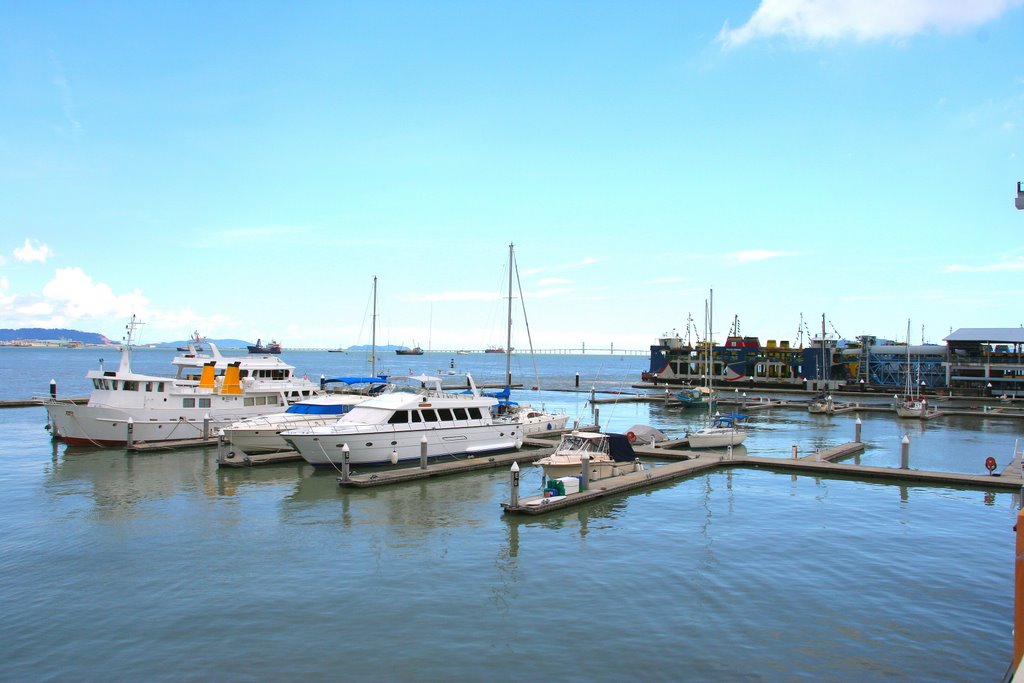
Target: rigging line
[{"x": 526, "y": 323}]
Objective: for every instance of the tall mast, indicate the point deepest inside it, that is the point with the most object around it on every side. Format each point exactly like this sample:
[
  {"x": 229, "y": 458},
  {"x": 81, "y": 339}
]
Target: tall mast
[
  {"x": 508, "y": 336},
  {"x": 373, "y": 327},
  {"x": 822, "y": 372}
]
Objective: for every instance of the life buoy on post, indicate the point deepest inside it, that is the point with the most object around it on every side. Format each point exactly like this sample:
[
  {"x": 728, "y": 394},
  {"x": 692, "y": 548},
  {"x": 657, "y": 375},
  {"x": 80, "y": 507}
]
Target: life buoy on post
[{"x": 631, "y": 437}]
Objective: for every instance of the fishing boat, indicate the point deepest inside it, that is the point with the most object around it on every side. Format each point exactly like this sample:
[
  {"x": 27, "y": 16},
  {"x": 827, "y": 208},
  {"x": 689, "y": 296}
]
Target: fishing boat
[
  {"x": 207, "y": 392},
  {"x": 822, "y": 404},
  {"x": 259, "y": 348},
  {"x": 415, "y": 351},
  {"x": 610, "y": 455},
  {"x": 262, "y": 434},
  {"x": 694, "y": 397},
  {"x": 390, "y": 427}
]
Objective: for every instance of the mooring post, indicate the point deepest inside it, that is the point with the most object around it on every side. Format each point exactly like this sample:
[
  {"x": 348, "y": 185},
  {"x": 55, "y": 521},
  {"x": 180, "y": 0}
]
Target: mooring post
[
  {"x": 1018, "y": 595},
  {"x": 344, "y": 461},
  {"x": 423, "y": 452},
  {"x": 597, "y": 417},
  {"x": 130, "y": 440},
  {"x": 856, "y": 430},
  {"x": 577, "y": 380},
  {"x": 585, "y": 473},
  {"x": 728, "y": 453},
  {"x": 593, "y": 394},
  {"x": 513, "y": 499},
  {"x": 53, "y": 388},
  {"x": 794, "y": 452},
  {"x": 206, "y": 426},
  {"x": 905, "y": 453},
  {"x": 221, "y": 457}
]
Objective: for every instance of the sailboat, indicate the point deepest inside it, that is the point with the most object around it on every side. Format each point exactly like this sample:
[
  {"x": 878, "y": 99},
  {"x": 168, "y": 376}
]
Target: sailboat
[
  {"x": 911, "y": 404},
  {"x": 822, "y": 402},
  {"x": 722, "y": 430},
  {"x": 532, "y": 420}
]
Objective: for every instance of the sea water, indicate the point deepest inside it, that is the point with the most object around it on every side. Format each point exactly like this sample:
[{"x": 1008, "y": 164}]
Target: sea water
[{"x": 162, "y": 567}]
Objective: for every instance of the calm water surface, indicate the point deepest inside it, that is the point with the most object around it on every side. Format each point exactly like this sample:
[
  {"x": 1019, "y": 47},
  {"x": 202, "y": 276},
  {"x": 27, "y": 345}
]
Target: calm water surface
[{"x": 161, "y": 567}]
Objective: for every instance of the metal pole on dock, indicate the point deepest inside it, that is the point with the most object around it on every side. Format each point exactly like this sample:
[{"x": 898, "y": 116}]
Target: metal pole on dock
[
  {"x": 593, "y": 394},
  {"x": 856, "y": 430},
  {"x": 130, "y": 439},
  {"x": 423, "y": 452},
  {"x": 585, "y": 474},
  {"x": 513, "y": 499},
  {"x": 905, "y": 453},
  {"x": 206, "y": 426},
  {"x": 344, "y": 461}
]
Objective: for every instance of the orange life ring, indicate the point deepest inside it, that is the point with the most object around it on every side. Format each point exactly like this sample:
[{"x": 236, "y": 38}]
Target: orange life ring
[{"x": 631, "y": 437}]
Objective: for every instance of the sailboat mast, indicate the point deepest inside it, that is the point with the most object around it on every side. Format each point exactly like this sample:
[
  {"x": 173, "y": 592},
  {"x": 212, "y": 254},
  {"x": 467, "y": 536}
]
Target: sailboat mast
[
  {"x": 373, "y": 328},
  {"x": 508, "y": 335},
  {"x": 822, "y": 371}
]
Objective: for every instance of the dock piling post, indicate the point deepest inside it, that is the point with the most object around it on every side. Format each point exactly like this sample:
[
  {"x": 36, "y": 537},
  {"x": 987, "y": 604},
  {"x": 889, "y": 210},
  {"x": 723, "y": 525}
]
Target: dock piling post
[
  {"x": 597, "y": 418},
  {"x": 130, "y": 439},
  {"x": 577, "y": 380},
  {"x": 585, "y": 474},
  {"x": 593, "y": 394},
  {"x": 53, "y": 388},
  {"x": 423, "y": 452},
  {"x": 344, "y": 462},
  {"x": 1018, "y": 595},
  {"x": 513, "y": 499},
  {"x": 856, "y": 430},
  {"x": 794, "y": 452},
  {"x": 905, "y": 453},
  {"x": 206, "y": 426}
]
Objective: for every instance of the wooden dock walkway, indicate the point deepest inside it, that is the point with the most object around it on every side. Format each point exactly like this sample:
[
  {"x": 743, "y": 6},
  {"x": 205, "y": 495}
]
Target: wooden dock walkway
[{"x": 821, "y": 462}]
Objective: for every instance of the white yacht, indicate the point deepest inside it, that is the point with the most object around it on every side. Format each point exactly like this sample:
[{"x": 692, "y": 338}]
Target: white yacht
[
  {"x": 723, "y": 432},
  {"x": 610, "y": 455},
  {"x": 390, "y": 427},
  {"x": 208, "y": 391},
  {"x": 262, "y": 434}
]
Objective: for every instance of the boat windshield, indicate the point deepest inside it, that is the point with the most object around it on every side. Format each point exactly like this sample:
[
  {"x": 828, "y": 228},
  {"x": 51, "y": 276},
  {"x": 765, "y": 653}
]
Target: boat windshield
[
  {"x": 368, "y": 415},
  {"x": 574, "y": 443}
]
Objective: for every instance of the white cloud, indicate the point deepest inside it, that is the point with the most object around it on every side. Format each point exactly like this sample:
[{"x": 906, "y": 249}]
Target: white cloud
[
  {"x": 588, "y": 261},
  {"x": 752, "y": 255},
  {"x": 77, "y": 296},
  {"x": 1016, "y": 263},
  {"x": 67, "y": 102},
  {"x": 861, "y": 19},
  {"x": 545, "y": 282},
  {"x": 31, "y": 251}
]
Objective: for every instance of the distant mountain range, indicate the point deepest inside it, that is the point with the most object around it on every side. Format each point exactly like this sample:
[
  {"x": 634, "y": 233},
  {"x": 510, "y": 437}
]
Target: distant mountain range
[
  {"x": 54, "y": 334},
  {"x": 62, "y": 334}
]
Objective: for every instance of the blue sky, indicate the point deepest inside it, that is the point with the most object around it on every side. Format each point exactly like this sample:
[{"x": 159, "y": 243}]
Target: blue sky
[{"x": 245, "y": 169}]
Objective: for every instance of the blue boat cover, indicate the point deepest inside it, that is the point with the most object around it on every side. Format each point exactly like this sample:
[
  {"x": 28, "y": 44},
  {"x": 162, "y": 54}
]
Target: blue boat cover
[
  {"x": 620, "y": 448},
  {"x": 318, "y": 409}
]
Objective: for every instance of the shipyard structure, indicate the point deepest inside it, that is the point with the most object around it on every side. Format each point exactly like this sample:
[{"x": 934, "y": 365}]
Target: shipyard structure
[{"x": 984, "y": 362}]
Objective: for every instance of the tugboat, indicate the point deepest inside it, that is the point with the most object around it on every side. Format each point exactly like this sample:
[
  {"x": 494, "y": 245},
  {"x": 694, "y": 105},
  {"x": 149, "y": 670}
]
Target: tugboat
[{"x": 258, "y": 347}]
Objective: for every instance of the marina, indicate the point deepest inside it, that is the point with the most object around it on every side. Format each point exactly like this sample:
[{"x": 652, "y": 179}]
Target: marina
[{"x": 685, "y": 537}]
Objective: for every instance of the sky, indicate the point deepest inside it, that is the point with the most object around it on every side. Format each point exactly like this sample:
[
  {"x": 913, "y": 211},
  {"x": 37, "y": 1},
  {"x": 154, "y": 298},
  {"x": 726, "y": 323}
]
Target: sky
[{"x": 246, "y": 169}]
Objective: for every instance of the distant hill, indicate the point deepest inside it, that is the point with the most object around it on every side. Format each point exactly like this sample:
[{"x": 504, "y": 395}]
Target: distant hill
[{"x": 54, "y": 334}]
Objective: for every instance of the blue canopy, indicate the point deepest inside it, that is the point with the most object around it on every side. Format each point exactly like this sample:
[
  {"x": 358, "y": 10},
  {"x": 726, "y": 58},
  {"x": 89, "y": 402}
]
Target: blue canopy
[{"x": 357, "y": 380}]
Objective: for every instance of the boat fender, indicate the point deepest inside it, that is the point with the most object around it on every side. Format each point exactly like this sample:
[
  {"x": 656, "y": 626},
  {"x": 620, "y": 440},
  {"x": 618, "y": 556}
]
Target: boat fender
[
  {"x": 631, "y": 437},
  {"x": 550, "y": 426},
  {"x": 518, "y": 444}
]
